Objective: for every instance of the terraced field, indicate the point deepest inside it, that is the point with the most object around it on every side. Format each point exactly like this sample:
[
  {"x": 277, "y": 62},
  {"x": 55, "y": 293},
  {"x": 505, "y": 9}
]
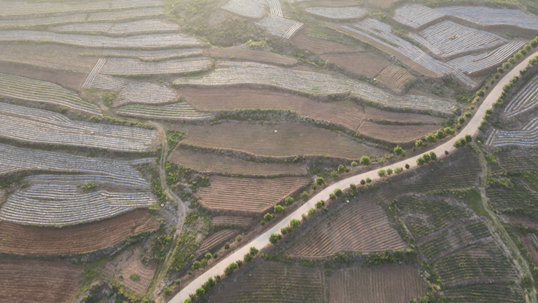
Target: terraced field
[
  {"x": 277, "y": 140},
  {"x": 338, "y": 13},
  {"x": 396, "y": 133},
  {"x": 279, "y": 26},
  {"x": 527, "y": 137},
  {"x": 365, "y": 64},
  {"x": 275, "y": 282},
  {"x": 129, "y": 67},
  {"x": 250, "y": 73},
  {"x": 395, "y": 78},
  {"x": 43, "y": 281},
  {"x": 127, "y": 28},
  {"x": 40, "y": 126},
  {"x": 237, "y": 194},
  {"x": 154, "y": 55},
  {"x": 26, "y": 8},
  {"x": 30, "y": 240},
  {"x": 416, "y": 15},
  {"x": 362, "y": 227},
  {"x": 175, "y": 111},
  {"x": 241, "y": 53},
  {"x": 231, "y": 221},
  {"x": 246, "y": 8},
  {"x": 27, "y": 89},
  {"x": 319, "y": 45},
  {"x": 525, "y": 100},
  {"x": 519, "y": 196},
  {"x": 485, "y": 293},
  {"x": 216, "y": 239},
  {"x": 219, "y": 164},
  {"x": 146, "y": 93},
  {"x": 381, "y": 285}
]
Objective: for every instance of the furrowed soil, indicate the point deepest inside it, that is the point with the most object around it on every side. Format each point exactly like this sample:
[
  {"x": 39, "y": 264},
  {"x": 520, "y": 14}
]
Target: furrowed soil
[
  {"x": 214, "y": 163},
  {"x": 396, "y": 133},
  {"x": 388, "y": 284},
  {"x": 231, "y": 220},
  {"x": 216, "y": 239},
  {"x": 321, "y": 46},
  {"x": 373, "y": 113},
  {"x": 38, "y": 281},
  {"x": 240, "y": 53},
  {"x": 364, "y": 64},
  {"x": 363, "y": 227},
  {"x": 247, "y": 194},
  {"x": 64, "y": 78},
  {"x": 395, "y": 78},
  {"x": 30, "y": 240},
  {"x": 278, "y": 140}
]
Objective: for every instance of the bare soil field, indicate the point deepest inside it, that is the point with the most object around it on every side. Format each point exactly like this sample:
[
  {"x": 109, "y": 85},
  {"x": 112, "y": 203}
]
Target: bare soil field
[
  {"x": 30, "y": 240},
  {"x": 345, "y": 113},
  {"x": 39, "y": 281},
  {"x": 63, "y": 78},
  {"x": 321, "y": 46},
  {"x": 274, "y": 282},
  {"x": 377, "y": 114},
  {"x": 388, "y": 284},
  {"x": 216, "y": 239},
  {"x": 128, "y": 263},
  {"x": 247, "y": 194},
  {"x": 240, "y": 53},
  {"x": 278, "y": 140},
  {"x": 395, "y": 78},
  {"x": 364, "y": 64},
  {"x": 230, "y": 220},
  {"x": 214, "y": 163},
  {"x": 362, "y": 227},
  {"x": 396, "y": 133},
  {"x": 382, "y": 3}
]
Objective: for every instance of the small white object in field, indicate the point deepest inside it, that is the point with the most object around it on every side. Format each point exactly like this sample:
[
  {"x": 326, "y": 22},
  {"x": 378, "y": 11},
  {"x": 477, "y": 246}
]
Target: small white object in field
[
  {"x": 162, "y": 205},
  {"x": 276, "y": 131}
]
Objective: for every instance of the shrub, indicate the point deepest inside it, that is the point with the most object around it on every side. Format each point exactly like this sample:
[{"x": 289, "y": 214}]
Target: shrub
[
  {"x": 217, "y": 278},
  {"x": 398, "y": 170},
  {"x": 433, "y": 156},
  {"x": 319, "y": 204},
  {"x": 279, "y": 209},
  {"x": 332, "y": 196},
  {"x": 399, "y": 151},
  {"x": 500, "y": 70},
  {"x": 226, "y": 246},
  {"x": 523, "y": 52},
  {"x": 353, "y": 186},
  {"x": 440, "y": 134},
  {"x": 461, "y": 120},
  {"x": 468, "y": 138},
  {"x": 363, "y": 182},
  {"x": 284, "y": 230},
  {"x": 480, "y": 93},
  {"x": 294, "y": 223},
  {"x": 188, "y": 300},
  {"x": 426, "y": 158},
  {"x": 215, "y": 255},
  {"x": 354, "y": 164},
  {"x": 320, "y": 181},
  {"x": 431, "y": 138},
  {"x": 303, "y": 195},
  {"x": 407, "y": 166},
  {"x": 528, "y": 47},
  {"x": 168, "y": 291},
  {"x": 230, "y": 269},
  {"x": 204, "y": 262},
  {"x": 268, "y": 217},
  {"x": 338, "y": 192},
  {"x": 196, "y": 265},
  {"x": 449, "y": 130},
  {"x": 200, "y": 292},
  {"x": 311, "y": 212},
  {"x": 368, "y": 180},
  {"x": 446, "y": 152},
  {"x": 534, "y": 43},
  {"x": 381, "y": 173},
  {"x": 247, "y": 258},
  {"x": 518, "y": 56},
  {"x": 134, "y": 277},
  {"x": 341, "y": 168},
  {"x": 420, "y": 161},
  {"x": 238, "y": 238},
  {"x": 419, "y": 143},
  {"x": 274, "y": 238},
  {"x": 460, "y": 143},
  {"x": 208, "y": 256},
  {"x": 253, "y": 251},
  {"x": 389, "y": 171},
  {"x": 512, "y": 60},
  {"x": 289, "y": 200},
  {"x": 365, "y": 160}
]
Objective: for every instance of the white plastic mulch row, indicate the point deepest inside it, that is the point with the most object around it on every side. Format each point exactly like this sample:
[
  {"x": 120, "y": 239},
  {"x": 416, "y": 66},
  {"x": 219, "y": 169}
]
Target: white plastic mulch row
[
  {"x": 416, "y": 15},
  {"x": 94, "y": 73},
  {"x": 247, "y": 8},
  {"x": 338, "y": 12},
  {"x": 175, "y": 111},
  {"x": 129, "y": 66},
  {"x": 230, "y": 73},
  {"x": 146, "y": 93},
  {"x": 527, "y": 137},
  {"x": 153, "y": 55},
  {"x": 448, "y": 39},
  {"x": 135, "y": 27},
  {"x": 41, "y": 126},
  {"x": 18, "y": 8},
  {"x": 279, "y": 26},
  {"x": 526, "y": 99},
  {"x": 23, "y": 88},
  {"x": 86, "y": 179}
]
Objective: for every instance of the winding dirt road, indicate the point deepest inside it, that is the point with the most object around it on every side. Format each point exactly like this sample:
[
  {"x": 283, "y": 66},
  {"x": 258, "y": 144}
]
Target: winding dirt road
[{"x": 263, "y": 240}]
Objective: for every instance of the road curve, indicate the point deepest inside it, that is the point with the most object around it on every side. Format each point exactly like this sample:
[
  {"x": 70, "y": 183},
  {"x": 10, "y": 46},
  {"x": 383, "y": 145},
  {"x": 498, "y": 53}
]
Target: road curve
[{"x": 263, "y": 240}]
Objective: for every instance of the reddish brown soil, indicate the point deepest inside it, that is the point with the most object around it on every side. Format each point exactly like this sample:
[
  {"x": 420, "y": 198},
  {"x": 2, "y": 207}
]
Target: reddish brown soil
[
  {"x": 214, "y": 163},
  {"x": 38, "y": 281},
  {"x": 387, "y": 284},
  {"x": 30, "y": 240},
  {"x": 345, "y": 113},
  {"x": 216, "y": 239},
  {"x": 247, "y": 194},
  {"x": 365, "y": 64},
  {"x": 246, "y": 54},
  {"x": 362, "y": 227},
  {"x": 373, "y": 113},
  {"x": 396, "y": 133},
  {"x": 321, "y": 46},
  {"x": 230, "y": 220},
  {"x": 64, "y": 78}
]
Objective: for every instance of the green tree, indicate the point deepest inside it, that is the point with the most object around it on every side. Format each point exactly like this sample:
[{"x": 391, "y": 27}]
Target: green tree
[
  {"x": 338, "y": 192},
  {"x": 461, "y": 120},
  {"x": 381, "y": 173},
  {"x": 208, "y": 256},
  {"x": 279, "y": 209},
  {"x": 319, "y": 204},
  {"x": 289, "y": 200},
  {"x": 368, "y": 180},
  {"x": 253, "y": 251},
  {"x": 268, "y": 217},
  {"x": 226, "y": 246},
  {"x": 332, "y": 196},
  {"x": 419, "y": 143},
  {"x": 341, "y": 168},
  {"x": 398, "y": 170},
  {"x": 399, "y": 151},
  {"x": 440, "y": 134},
  {"x": 200, "y": 292},
  {"x": 363, "y": 181},
  {"x": 196, "y": 265},
  {"x": 230, "y": 269},
  {"x": 311, "y": 212},
  {"x": 468, "y": 138},
  {"x": 365, "y": 160},
  {"x": 449, "y": 130},
  {"x": 389, "y": 171},
  {"x": 354, "y": 164},
  {"x": 247, "y": 258},
  {"x": 433, "y": 156},
  {"x": 407, "y": 166},
  {"x": 303, "y": 195},
  {"x": 480, "y": 93},
  {"x": 215, "y": 255},
  {"x": 294, "y": 223},
  {"x": 273, "y": 238},
  {"x": 431, "y": 138},
  {"x": 320, "y": 181},
  {"x": 420, "y": 161},
  {"x": 426, "y": 158}
]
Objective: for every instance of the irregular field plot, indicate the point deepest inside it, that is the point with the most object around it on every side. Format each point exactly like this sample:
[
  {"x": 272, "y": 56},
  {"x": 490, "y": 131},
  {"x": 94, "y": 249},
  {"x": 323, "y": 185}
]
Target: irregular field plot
[
  {"x": 135, "y": 27},
  {"x": 39, "y": 281},
  {"x": 486, "y": 16},
  {"x": 30, "y": 240},
  {"x": 396, "y": 133},
  {"x": 175, "y": 111},
  {"x": 246, "y": 8},
  {"x": 338, "y": 12},
  {"x": 365, "y": 64},
  {"x": 146, "y": 93},
  {"x": 289, "y": 140},
  {"x": 381, "y": 285},
  {"x": 275, "y": 282},
  {"x": 230, "y": 221},
  {"x": 395, "y": 78},
  {"x": 253, "y": 55},
  {"x": 321, "y": 46},
  {"x": 279, "y": 26},
  {"x": 361, "y": 227},
  {"x": 345, "y": 113},
  {"x": 416, "y": 15},
  {"x": 525, "y": 100},
  {"x": 485, "y": 293},
  {"x": 68, "y": 79},
  {"x": 247, "y": 195},
  {"x": 214, "y": 163},
  {"x": 377, "y": 114},
  {"x": 128, "y": 66},
  {"x": 216, "y": 239},
  {"x": 527, "y": 137},
  {"x": 153, "y": 55}
]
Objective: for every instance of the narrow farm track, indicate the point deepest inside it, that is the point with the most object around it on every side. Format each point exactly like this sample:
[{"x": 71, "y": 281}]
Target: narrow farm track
[{"x": 263, "y": 240}]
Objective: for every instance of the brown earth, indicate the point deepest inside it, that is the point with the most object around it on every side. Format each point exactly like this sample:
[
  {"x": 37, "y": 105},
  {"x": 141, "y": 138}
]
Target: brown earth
[
  {"x": 277, "y": 140},
  {"x": 247, "y": 194},
  {"x": 216, "y": 239},
  {"x": 214, "y": 163},
  {"x": 365, "y": 64},
  {"x": 362, "y": 227},
  {"x": 321, "y": 46},
  {"x": 38, "y": 281},
  {"x": 31, "y": 240},
  {"x": 252, "y": 55},
  {"x": 63, "y": 78},
  {"x": 396, "y": 78},
  {"x": 396, "y": 133},
  {"x": 373, "y": 113},
  {"x": 388, "y": 284},
  {"x": 346, "y": 113},
  {"x": 230, "y": 220}
]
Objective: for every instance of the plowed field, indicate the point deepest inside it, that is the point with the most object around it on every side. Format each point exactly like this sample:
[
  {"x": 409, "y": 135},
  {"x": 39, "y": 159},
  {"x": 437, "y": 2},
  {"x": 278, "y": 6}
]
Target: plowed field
[
  {"x": 362, "y": 227},
  {"x": 30, "y": 240},
  {"x": 365, "y": 64},
  {"x": 248, "y": 195},
  {"x": 230, "y": 220},
  {"x": 395, "y": 78},
  {"x": 217, "y": 238},
  {"x": 278, "y": 140},
  {"x": 38, "y": 281},
  {"x": 377, "y": 114},
  {"x": 214, "y": 163},
  {"x": 389, "y": 284},
  {"x": 396, "y": 133},
  {"x": 320, "y": 46},
  {"x": 247, "y": 54}
]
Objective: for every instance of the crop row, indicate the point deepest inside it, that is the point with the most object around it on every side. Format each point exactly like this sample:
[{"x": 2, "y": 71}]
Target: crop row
[
  {"x": 280, "y": 26},
  {"x": 217, "y": 238},
  {"x": 395, "y": 77},
  {"x": 230, "y": 220},
  {"x": 416, "y": 15},
  {"x": 154, "y": 55},
  {"x": 485, "y": 293},
  {"x": 447, "y": 39},
  {"x": 91, "y": 17},
  {"x": 354, "y": 12},
  {"x": 87, "y": 179},
  {"x": 229, "y": 73},
  {"x": 59, "y": 205},
  {"x": 524, "y": 100},
  {"x": 135, "y": 27},
  {"x": 19, "y": 159},
  {"x": 129, "y": 66},
  {"x": 382, "y": 34},
  {"x": 175, "y": 111},
  {"x": 146, "y": 93},
  {"x": 247, "y": 8},
  {"x": 40, "y": 126},
  {"x": 473, "y": 64},
  {"x": 94, "y": 73},
  {"x": 517, "y": 160},
  {"x": 527, "y": 137},
  {"x": 143, "y": 41},
  {"x": 275, "y": 8},
  {"x": 519, "y": 199}
]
